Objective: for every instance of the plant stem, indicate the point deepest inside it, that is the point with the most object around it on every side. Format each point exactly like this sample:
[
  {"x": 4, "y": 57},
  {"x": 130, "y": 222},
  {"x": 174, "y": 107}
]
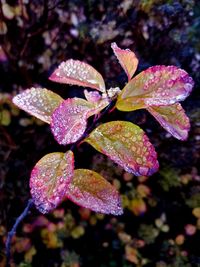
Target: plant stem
[{"x": 14, "y": 228}]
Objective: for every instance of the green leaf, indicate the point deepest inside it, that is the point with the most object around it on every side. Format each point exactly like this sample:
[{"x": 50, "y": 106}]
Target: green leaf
[
  {"x": 50, "y": 179},
  {"x": 38, "y": 102},
  {"x": 127, "y": 145},
  {"x": 156, "y": 86},
  {"x": 90, "y": 190}
]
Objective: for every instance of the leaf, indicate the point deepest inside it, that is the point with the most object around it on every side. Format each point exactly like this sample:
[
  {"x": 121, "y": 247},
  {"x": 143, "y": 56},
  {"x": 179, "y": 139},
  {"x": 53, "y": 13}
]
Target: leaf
[
  {"x": 69, "y": 120},
  {"x": 38, "y": 102},
  {"x": 90, "y": 190},
  {"x": 127, "y": 59},
  {"x": 156, "y": 86},
  {"x": 50, "y": 179},
  {"x": 173, "y": 119},
  {"x": 78, "y": 73},
  {"x": 127, "y": 145},
  {"x": 92, "y": 96}
]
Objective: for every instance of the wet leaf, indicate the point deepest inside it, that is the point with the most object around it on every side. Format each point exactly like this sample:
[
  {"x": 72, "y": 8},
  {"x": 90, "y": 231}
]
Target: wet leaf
[
  {"x": 69, "y": 120},
  {"x": 127, "y": 145},
  {"x": 78, "y": 73},
  {"x": 50, "y": 179},
  {"x": 38, "y": 102},
  {"x": 92, "y": 96},
  {"x": 156, "y": 86},
  {"x": 173, "y": 119},
  {"x": 90, "y": 190},
  {"x": 127, "y": 59}
]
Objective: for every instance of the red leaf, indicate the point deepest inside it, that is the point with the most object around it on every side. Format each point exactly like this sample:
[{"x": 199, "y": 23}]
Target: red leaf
[
  {"x": 127, "y": 59},
  {"x": 90, "y": 190},
  {"x": 50, "y": 179},
  {"x": 173, "y": 119},
  {"x": 78, "y": 73}
]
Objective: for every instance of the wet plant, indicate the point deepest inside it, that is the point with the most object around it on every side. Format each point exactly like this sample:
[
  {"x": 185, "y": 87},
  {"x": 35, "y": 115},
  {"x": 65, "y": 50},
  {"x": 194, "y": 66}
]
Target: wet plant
[{"x": 54, "y": 178}]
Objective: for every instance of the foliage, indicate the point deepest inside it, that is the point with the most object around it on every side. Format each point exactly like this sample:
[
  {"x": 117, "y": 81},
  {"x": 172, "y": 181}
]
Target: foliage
[{"x": 53, "y": 177}]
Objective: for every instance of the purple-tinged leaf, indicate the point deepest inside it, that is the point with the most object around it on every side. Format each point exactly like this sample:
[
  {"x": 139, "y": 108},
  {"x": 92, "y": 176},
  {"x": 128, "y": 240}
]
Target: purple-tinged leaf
[
  {"x": 90, "y": 190},
  {"x": 69, "y": 120},
  {"x": 127, "y": 145},
  {"x": 78, "y": 73},
  {"x": 92, "y": 96},
  {"x": 156, "y": 86},
  {"x": 50, "y": 179},
  {"x": 38, "y": 102},
  {"x": 127, "y": 59},
  {"x": 173, "y": 119}
]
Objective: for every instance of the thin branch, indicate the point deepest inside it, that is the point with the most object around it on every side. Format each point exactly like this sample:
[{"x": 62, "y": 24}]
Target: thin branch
[{"x": 14, "y": 228}]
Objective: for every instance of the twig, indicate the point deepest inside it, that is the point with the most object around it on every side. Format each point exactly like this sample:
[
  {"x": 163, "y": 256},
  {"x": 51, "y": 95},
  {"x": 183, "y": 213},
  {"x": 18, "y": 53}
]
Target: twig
[{"x": 14, "y": 228}]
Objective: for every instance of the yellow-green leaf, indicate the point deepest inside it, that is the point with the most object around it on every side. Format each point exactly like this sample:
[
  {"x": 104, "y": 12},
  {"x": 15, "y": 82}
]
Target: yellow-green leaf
[
  {"x": 127, "y": 145},
  {"x": 38, "y": 102},
  {"x": 90, "y": 190}
]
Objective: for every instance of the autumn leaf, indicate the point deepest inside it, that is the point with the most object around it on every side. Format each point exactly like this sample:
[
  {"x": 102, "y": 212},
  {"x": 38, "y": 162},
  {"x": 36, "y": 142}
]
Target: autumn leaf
[
  {"x": 50, "y": 179},
  {"x": 69, "y": 120},
  {"x": 90, "y": 190},
  {"x": 127, "y": 59},
  {"x": 173, "y": 119},
  {"x": 78, "y": 73},
  {"x": 156, "y": 86},
  {"x": 38, "y": 102},
  {"x": 127, "y": 145}
]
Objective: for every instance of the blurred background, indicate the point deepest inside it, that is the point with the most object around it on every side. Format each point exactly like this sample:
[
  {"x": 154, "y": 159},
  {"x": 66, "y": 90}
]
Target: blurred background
[{"x": 161, "y": 222}]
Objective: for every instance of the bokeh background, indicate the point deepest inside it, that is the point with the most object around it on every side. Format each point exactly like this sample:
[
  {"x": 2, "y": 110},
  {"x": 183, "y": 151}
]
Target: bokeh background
[{"x": 161, "y": 222}]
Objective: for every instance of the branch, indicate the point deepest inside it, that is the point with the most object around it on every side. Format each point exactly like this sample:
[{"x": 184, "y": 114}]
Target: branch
[{"x": 14, "y": 228}]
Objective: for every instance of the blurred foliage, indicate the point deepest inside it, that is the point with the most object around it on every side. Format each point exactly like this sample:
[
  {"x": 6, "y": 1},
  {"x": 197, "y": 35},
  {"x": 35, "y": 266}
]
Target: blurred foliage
[{"x": 161, "y": 221}]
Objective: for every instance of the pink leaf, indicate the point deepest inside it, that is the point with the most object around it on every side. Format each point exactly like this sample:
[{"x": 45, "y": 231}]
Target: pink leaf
[
  {"x": 50, "y": 179},
  {"x": 127, "y": 59},
  {"x": 69, "y": 120},
  {"x": 90, "y": 190},
  {"x": 156, "y": 86},
  {"x": 38, "y": 102},
  {"x": 127, "y": 145},
  {"x": 173, "y": 119},
  {"x": 78, "y": 73}
]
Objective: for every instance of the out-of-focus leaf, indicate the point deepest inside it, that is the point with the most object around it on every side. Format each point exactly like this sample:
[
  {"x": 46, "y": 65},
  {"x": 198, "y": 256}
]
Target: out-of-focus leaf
[
  {"x": 90, "y": 190},
  {"x": 173, "y": 119},
  {"x": 156, "y": 86},
  {"x": 78, "y": 73},
  {"x": 69, "y": 120},
  {"x": 127, "y": 59},
  {"x": 38, "y": 102},
  {"x": 5, "y": 117},
  {"x": 127, "y": 145},
  {"x": 50, "y": 179}
]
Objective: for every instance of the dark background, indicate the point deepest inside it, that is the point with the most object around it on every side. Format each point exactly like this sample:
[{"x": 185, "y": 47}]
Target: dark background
[{"x": 160, "y": 225}]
